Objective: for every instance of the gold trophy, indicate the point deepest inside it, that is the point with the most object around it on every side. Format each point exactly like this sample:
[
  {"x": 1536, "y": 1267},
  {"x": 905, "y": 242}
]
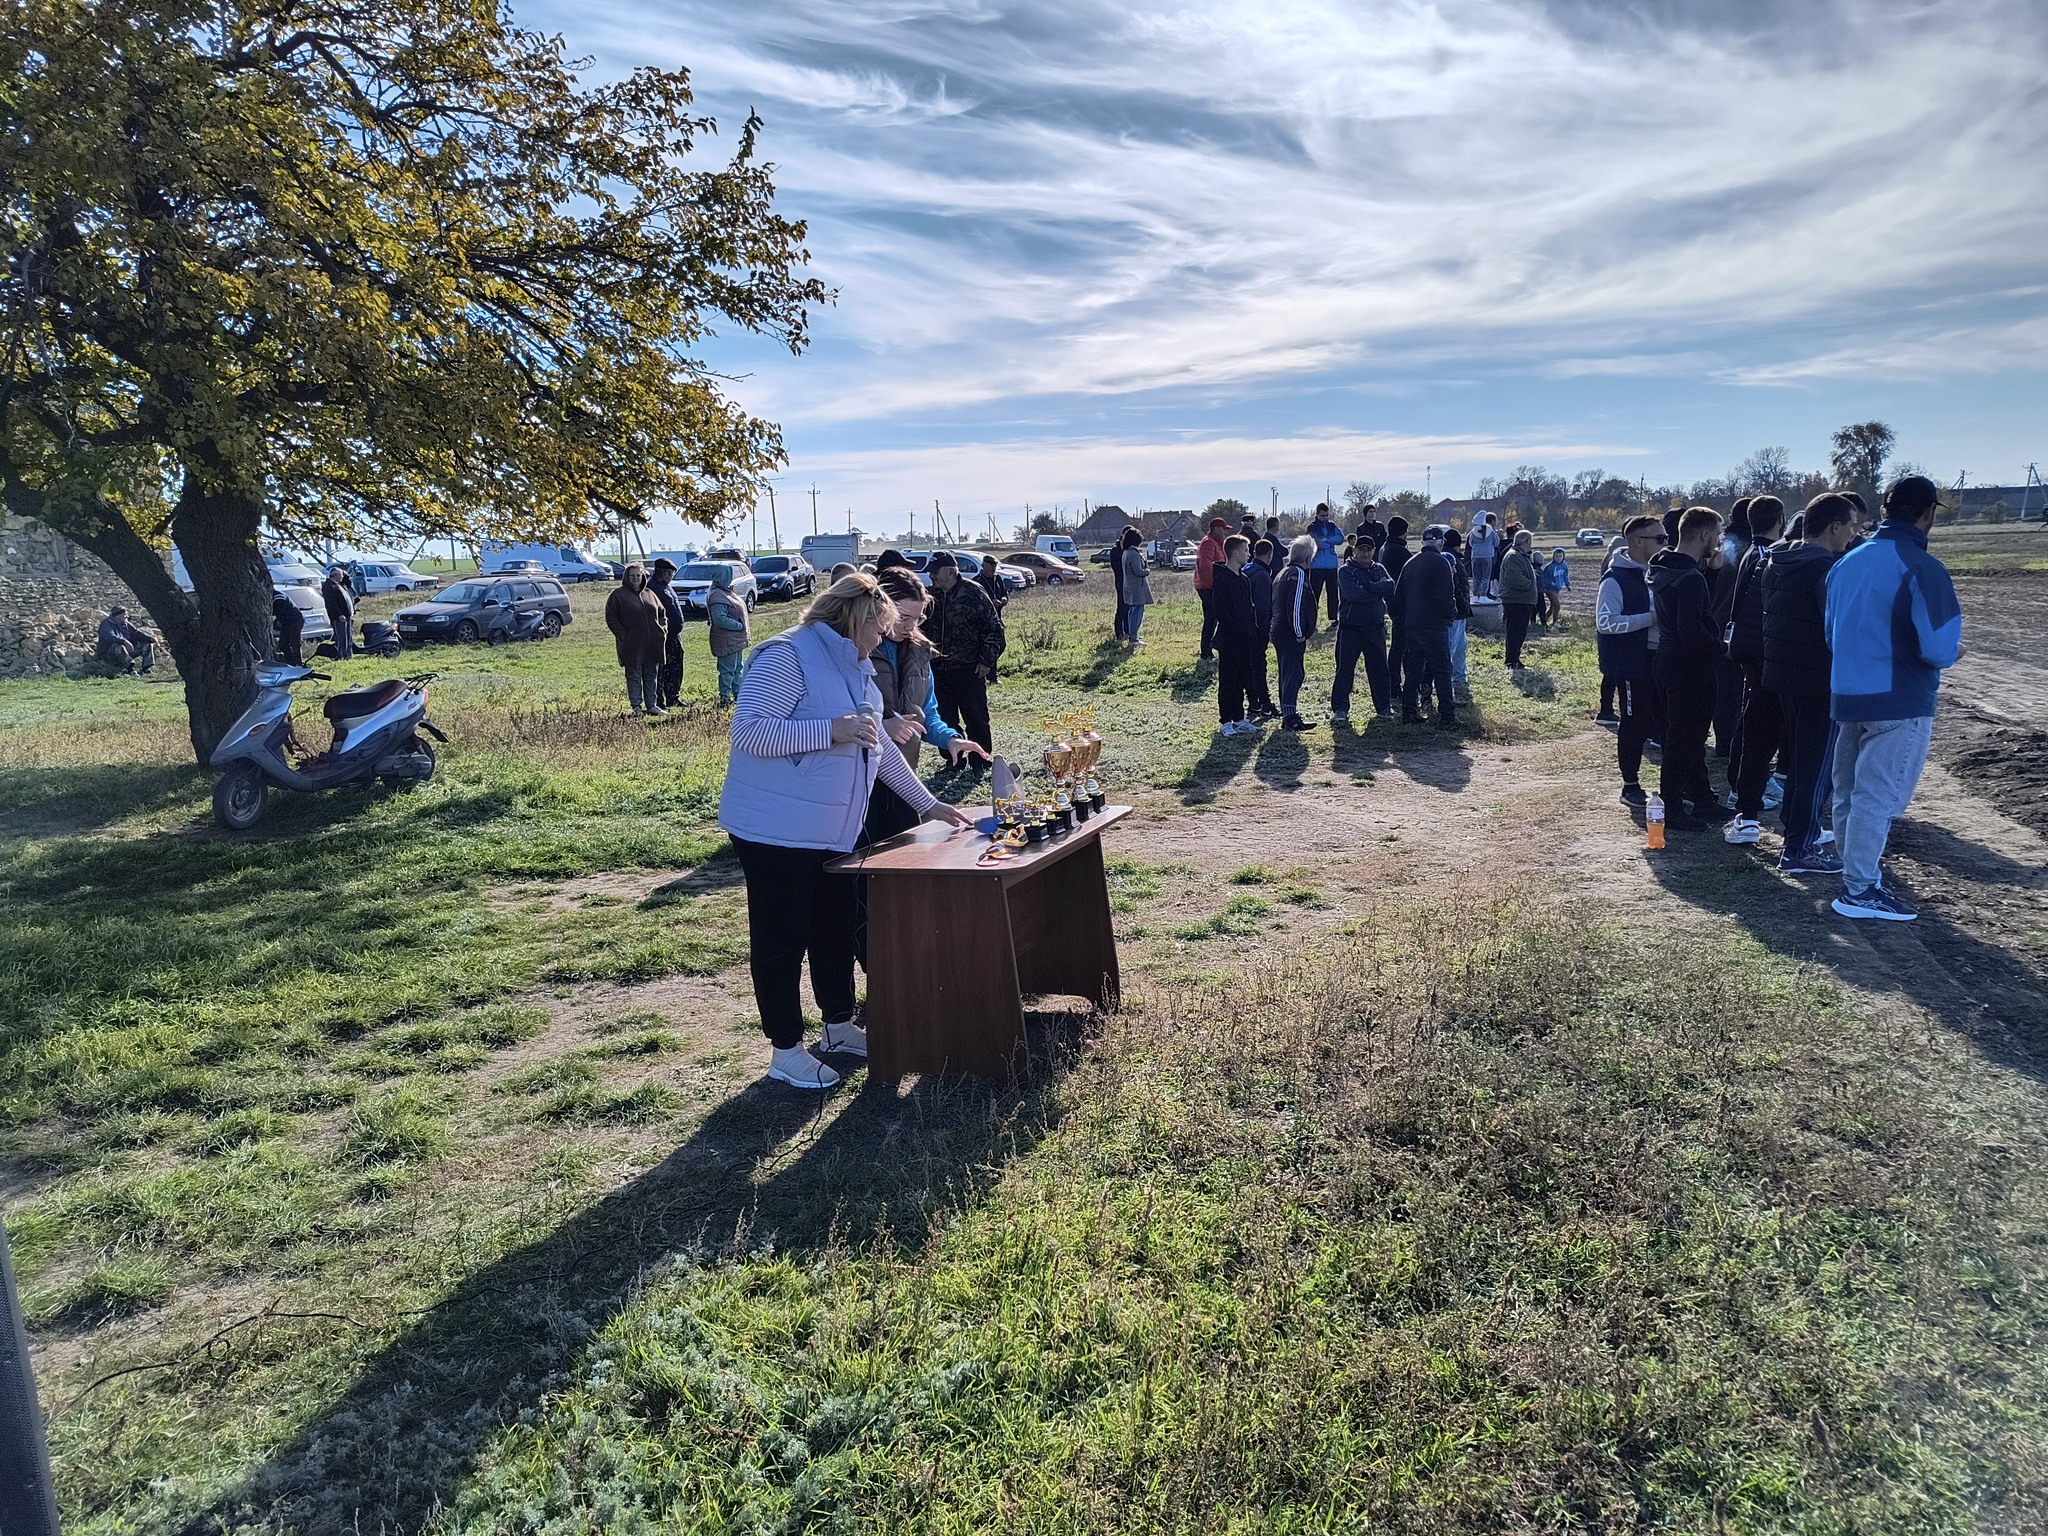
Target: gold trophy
[{"x": 1059, "y": 762}]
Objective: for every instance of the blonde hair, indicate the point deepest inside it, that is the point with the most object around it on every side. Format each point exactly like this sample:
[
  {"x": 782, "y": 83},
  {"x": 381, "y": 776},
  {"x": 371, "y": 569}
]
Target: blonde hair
[{"x": 850, "y": 602}]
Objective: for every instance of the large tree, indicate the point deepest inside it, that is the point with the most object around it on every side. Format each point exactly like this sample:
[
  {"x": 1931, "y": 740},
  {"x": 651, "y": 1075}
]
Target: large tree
[
  {"x": 1857, "y": 457},
  {"x": 354, "y": 269}
]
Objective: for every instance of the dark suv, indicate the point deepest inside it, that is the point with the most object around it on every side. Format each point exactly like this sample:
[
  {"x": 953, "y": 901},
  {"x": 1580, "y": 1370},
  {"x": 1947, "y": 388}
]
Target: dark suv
[{"x": 477, "y": 607}]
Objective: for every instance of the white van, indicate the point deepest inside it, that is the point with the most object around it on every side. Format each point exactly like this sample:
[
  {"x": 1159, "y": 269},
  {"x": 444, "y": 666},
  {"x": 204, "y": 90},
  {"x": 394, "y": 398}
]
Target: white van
[
  {"x": 566, "y": 561},
  {"x": 1060, "y": 546}
]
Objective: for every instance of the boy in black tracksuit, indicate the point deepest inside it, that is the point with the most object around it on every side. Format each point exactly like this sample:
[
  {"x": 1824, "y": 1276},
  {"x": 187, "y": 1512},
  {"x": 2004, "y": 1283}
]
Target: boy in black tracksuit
[
  {"x": 1363, "y": 587},
  {"x": 1798, "y": 667},
  {"x": 1762, "y": 724},
  {"x": 1231, "y": 601},
  {"x": 1394, "y": 555},
  {"x": 1689, "y": 649},
  {"x": 1258, "y": 580}
]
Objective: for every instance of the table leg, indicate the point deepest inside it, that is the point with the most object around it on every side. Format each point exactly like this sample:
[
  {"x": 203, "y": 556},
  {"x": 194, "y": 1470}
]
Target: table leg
[
  {"x": 1065, "y": 938},
  {"x": 942, "y": 979}
]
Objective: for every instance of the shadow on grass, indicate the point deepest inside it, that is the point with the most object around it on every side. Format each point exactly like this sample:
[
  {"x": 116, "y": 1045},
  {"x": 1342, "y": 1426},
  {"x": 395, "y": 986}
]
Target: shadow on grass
[
  {"x": 42, "y": 802},
  {"x": 1970, "y": 986},
  {"x": 769, "y": 1170}
]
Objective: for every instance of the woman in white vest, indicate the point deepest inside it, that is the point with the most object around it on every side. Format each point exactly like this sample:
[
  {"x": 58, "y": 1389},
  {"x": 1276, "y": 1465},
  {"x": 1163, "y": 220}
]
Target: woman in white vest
[{"x": 807, "y": 747}]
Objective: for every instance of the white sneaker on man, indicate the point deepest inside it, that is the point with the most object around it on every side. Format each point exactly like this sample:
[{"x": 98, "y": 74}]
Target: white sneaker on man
[
  {"x": 847, "y": 1039},
  {"x": 1742, "y": 831},
  {"x": 799, "y": 1068},
  {"x": 1823, "y": 837}
]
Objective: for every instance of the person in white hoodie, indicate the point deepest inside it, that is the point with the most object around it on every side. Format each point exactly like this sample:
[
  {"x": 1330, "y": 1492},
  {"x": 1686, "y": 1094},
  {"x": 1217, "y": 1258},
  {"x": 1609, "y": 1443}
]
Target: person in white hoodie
[{"x": 1625, "y": 622}]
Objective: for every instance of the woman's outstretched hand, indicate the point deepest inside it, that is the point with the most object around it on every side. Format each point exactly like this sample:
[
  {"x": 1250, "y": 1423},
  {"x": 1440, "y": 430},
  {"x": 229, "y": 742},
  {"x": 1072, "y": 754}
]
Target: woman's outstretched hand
[{"x": 951, "y": 815}]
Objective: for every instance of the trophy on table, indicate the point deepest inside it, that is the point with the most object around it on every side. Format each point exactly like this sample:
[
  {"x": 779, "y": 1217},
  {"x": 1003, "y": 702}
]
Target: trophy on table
[{"x": 1059, "y": 762}]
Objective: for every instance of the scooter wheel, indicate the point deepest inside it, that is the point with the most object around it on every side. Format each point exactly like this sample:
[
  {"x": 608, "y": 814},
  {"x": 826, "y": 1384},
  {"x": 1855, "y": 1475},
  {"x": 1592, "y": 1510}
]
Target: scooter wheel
[
  {"x": 419, "y": 746},
  {"x": 389, "y": 650},
  {"x": 240, "y": 796}
]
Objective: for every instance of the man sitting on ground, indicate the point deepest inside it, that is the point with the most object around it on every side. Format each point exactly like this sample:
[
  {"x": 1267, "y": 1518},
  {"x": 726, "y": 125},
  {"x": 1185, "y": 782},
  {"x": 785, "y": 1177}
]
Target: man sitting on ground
[
  {"x": 121, "y": 645},
  {"x": 1893, "y": 626}
]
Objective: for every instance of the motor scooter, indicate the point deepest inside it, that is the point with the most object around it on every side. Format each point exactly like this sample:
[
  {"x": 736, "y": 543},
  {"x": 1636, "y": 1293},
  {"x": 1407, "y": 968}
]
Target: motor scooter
[{"x": 378, "y": 734}]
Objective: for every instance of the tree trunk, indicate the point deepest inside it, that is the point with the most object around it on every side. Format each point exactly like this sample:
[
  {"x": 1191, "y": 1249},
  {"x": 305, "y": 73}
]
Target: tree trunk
[{"x": 231, "y": 629}]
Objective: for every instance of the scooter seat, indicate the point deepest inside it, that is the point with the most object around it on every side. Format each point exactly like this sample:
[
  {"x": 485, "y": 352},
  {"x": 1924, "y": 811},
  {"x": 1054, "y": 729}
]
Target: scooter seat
[{"x": 354, "y": 703}]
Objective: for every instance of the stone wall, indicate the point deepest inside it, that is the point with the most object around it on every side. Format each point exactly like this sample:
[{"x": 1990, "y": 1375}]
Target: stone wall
[{"x": 52, "y": 597}]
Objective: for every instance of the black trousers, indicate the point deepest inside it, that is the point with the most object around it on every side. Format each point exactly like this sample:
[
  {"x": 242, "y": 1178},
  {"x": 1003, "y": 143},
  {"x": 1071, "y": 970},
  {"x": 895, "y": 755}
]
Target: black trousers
[
  {"x": 1367, "y": 642},
  {"x": 1515, "y": 617},
  {"x": 962, "y": 698},
  {"x": 1637, "y": 700},
  {"x": 1123, "y": 613},
  {"x": 1727, "y": 707},
  {"x": 1756, "y": 742},
  {"x": 1208, "y": 597},
  {"x": 1607, "y": 687},
  {"x": 1809, "y": 751},
  {"x": 1233, "y": 675},
  {"x": 1255, "y": 673},
  {"x": 1320, "y": 583},
  {"x": 1688, "y": 715},
  {"x": 672, "y": 668},
  {"x": 1397, "y": 659},
  {"x": 795, "y": 909},
  {"x": 1427, "y": 665}
]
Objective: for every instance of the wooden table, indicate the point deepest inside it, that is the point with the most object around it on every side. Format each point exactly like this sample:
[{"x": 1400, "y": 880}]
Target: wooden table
[{"x": 956, "y": 945}]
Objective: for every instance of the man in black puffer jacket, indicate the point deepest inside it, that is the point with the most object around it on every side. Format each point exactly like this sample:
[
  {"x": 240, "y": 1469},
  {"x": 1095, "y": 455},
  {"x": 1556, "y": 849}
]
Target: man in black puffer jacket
[
  {"x": 1798, "y": 667},
  {"x": 1762, "y": 723},
  {"x": 1688, "y": 646},
  {"x": 1425, "y": 607},
  {"x": 967, "y": 635}
]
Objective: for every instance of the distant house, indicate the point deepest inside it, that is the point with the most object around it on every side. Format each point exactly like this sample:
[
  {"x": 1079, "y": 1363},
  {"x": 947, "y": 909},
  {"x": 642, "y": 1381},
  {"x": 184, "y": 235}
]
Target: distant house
[
  {"x": 1102, "y": 526},
  {"x": 1105, "y": 523}
]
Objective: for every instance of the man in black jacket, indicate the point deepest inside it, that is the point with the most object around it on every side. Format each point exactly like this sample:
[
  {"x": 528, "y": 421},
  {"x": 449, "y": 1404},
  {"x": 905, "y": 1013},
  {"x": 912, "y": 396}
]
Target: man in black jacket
[
  {"x": 290, "y": 627},
  {"x": 1258, "y": 580},
  {"x": 967, "y": 639},
  {"x": 1798, "y": 667},
  {"x": 1762, "y": 724},
  {"x": 1425, "y": 607},
  {"x": 662, "y": 585},
  {"x": 1231, "y": 600},
  {"x": 1363, "y": 587},
  {"x": 1688, "y": 647},
  {"x": 1394, "y": 555},
  {"x": 340, "y": 599}
]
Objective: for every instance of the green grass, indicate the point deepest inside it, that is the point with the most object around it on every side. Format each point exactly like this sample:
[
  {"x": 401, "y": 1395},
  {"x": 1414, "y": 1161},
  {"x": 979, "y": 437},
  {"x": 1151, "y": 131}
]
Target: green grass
[{"x": 376, "y": 1150}]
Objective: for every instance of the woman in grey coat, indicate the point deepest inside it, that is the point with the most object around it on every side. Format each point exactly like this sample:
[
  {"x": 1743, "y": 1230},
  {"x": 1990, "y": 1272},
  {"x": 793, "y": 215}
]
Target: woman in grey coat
[{"x": 1137, "y": 591}]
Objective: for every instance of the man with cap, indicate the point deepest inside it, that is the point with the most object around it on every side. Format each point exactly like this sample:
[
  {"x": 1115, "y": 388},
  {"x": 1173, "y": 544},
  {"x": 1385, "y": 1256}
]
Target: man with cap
[
  {"x": 122, "y": 645},
  {"x": 967, "y": 640},
  {"x": 662, "y": 585},
  {"x": 1426, "y": 599},
  {"x": 1893, "y": 626},
  {"x": 1207, "y": 557}
]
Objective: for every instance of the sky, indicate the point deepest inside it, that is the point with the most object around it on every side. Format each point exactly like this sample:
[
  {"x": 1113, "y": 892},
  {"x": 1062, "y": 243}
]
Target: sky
[{"x": 1153, "y": 254}]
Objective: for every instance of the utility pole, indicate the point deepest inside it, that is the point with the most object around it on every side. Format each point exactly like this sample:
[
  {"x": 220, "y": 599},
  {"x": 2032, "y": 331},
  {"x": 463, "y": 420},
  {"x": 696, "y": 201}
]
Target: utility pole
[
  {"x": 1276, "y": 501},
  {"x": 1429, "y": 488},
  {"x": 910, "y": 538},
  {"x": 939, "y": 522},
  {"x": 757, "y": 528},
  {"x": 774, "y": 522},
  {"x": 814, "y": 507}
]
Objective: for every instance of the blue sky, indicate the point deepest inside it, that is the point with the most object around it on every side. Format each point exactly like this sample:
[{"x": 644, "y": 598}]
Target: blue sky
[{"x": 1152, "y": 254}]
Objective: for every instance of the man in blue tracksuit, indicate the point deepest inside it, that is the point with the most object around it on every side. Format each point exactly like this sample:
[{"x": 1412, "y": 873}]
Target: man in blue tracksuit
[
  {"x": 1893, "y": 625},
  {"x": 1363, "y": 588},
  {"x": 1328, "y": 559}
]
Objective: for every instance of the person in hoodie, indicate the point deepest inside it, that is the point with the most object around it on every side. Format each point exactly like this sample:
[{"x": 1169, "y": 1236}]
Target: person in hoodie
[
  {"x": 1762, "y": 724},
  {"x": 1258, "y": 580},
  {"x": 1485, "y": 543},
  {"x": 1798, "y": 667},
  {"x": 731, "y": 631},
  {"x": 1625, "y": 626},
  {"x": 1124, "y": 541},
  {"x": 1394, "y": 555},
  {"x": 1236, "y": 623},
  {"x": 1363, "y": 588},
  {"x": 1554, "y": 576},
  {"x": 1607, "y": 716},
  {"x": 1461, "y": 626},
  {"x": 1520, "y": 592},
  {"x": 1372, "y": 530},
  {"x": 1735, "y": 541},
  {"x": 1893, "y": 627},
  {"x": 1209, "y": 555},
  {"x": 1688, "y": 646},
  {"x": 1329, "y": 557},
  {"x": 1294, "y": 621},
  {"x": 1425, "y": 607}
]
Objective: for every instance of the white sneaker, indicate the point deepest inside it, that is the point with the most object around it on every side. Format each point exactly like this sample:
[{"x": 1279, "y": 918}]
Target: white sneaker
[
  {"x": 800, "y": 1069},
  {"x": 847, "y": 1039},
  {"x": 1742, "y": 830},
  {"x": 1822, "y": 838},
  {"x": 1774, "y": 793}
]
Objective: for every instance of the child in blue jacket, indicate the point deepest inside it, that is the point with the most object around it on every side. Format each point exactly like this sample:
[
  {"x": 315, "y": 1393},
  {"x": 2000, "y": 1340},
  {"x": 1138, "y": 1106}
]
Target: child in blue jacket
[{"x": 1552, "y": 582}]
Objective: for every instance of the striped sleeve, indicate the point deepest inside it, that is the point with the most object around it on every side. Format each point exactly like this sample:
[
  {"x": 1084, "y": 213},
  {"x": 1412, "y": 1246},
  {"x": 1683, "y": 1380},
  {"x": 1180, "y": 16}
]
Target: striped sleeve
[
  {"x": 769, "y": 692},
  {"x": 901, "y": 777}
]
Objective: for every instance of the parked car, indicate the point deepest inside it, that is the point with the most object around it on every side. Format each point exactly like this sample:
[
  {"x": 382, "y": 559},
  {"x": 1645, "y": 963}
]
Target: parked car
[
  {"x": 784, "y": 575},
  {"x": 1591, "y": 538},
  {"x": 1103, "y": 555},
  {"x": 1184, "y": 558},
  {"x": 517, "y": 568},
  {"x": 312, "y": 611},
  {"x": 388, "y": 576},
  {"x": 694, "y": 580},
  {"x": 289, "y": 573},
  {"x": 1012, "y": 577},
  {"x": 564, "y": 562},
  {"x": 1049, "y": 569},
  {"x": 477, "y": 606},
  {"x": 728, "y": 553}
]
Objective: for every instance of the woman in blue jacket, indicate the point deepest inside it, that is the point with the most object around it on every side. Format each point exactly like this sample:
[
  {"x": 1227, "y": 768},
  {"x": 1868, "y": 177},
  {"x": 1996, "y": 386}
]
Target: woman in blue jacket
[{"x": 807, "y": 751}]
